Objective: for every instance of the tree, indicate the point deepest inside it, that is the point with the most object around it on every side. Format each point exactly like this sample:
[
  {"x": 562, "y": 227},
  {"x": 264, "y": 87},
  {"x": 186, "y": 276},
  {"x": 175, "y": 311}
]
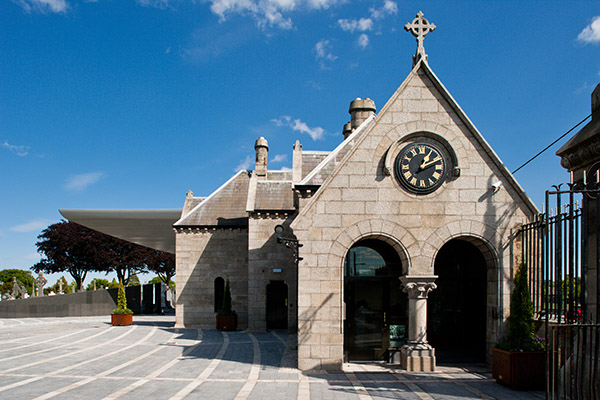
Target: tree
[
  {"x": 24, "y": 277},
  {"x": 98, "y": 283},
  {"x": 126, "y": 259},
  {"x": 163, "y": 264},
  {"x": 158, "y": 279},
  {"x": 70, "y": 247}
]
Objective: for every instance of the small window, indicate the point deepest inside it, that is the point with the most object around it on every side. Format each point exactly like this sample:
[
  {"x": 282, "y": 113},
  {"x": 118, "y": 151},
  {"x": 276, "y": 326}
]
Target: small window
[{"x": 219, "y": 290}]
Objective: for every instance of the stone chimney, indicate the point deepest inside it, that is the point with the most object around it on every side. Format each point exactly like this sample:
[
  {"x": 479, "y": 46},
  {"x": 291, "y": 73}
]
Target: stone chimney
[
  {"x": 347, "y": 130},
  {"x": 360, "y": 110},
  {"x": 596, "y": 103},
  {"x": 262, "y": 149},
  {"x": 297, "y": 163}
]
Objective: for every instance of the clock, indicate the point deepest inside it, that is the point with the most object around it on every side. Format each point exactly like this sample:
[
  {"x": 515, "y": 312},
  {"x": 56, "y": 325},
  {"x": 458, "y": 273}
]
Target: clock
[{"x": 421, "y": 167}]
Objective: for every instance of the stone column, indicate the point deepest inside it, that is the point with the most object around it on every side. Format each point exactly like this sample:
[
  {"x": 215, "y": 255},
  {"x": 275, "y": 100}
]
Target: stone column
[{"x": 417, "y": 354}]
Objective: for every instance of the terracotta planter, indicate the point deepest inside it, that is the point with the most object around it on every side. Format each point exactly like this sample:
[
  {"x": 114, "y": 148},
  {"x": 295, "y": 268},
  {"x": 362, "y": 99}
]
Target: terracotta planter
[
  {"x": 121, "y": 319},
  {"x": 227, "y": 322},
  {"x": 519, "y": 370}
]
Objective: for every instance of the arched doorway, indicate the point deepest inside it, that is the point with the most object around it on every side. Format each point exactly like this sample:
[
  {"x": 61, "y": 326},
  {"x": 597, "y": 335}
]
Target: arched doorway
[
  {"x": 457, "y": 309},
  {"x": 375, "y": 303}
]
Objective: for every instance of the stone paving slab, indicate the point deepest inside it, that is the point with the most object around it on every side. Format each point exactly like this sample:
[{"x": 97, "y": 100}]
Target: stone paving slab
[{"x": 75, "y": 358}]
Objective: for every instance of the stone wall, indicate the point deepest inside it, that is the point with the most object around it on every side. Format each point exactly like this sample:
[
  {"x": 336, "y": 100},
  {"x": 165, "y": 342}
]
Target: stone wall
[
  {"x": 202, "y": 256},
  {"x": 360, "y": 201},
  {"x": 97, "y": 302},
  {"x": 265, "y": 255}
]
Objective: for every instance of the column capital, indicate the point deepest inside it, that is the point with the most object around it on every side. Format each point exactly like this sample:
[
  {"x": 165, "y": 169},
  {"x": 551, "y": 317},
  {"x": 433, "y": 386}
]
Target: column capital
[{"x": 418, "y": 286}]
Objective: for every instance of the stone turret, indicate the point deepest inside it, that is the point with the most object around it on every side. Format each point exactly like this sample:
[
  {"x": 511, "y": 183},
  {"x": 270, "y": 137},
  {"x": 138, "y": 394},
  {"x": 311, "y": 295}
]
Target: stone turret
[
  {"x": 360, "y": 110},
  {"x": 262, "y": 149}
]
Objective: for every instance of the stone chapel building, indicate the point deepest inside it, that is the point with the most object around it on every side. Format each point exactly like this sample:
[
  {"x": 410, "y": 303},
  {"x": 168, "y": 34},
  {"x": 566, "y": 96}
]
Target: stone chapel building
[{"x": 404, "y": 233}]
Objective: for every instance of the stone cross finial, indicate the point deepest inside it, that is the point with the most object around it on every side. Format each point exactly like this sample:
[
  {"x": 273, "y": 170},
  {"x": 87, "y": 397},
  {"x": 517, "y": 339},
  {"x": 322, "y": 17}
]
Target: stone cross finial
[{"x": 419, "y": 28}]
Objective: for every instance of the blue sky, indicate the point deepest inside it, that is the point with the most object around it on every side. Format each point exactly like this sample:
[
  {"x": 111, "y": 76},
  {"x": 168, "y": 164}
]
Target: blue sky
[{"x": 130, "y": 104}]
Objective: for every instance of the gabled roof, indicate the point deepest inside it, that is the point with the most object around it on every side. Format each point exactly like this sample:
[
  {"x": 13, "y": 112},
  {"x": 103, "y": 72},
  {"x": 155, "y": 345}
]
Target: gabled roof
[
  {"x": 477, "y": 135},
  {"x": 225, "y": 207},
  {"x": 363, "y": 132}
]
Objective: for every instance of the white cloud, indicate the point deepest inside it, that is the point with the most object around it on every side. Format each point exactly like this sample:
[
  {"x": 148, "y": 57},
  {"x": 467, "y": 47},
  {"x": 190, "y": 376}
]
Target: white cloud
[
  {"x": 389, "y": 7},
  {"x": 154, "y": 3},
  {"x": 32, "y": 226},
  {"x": 351, "y": 25},
  {"x": 56, "y": 6},
  {"x": 323, "y": 53},
  {"x": 267, "y": 13},
  {"x": 245, "y": 164},
  {"x": 299, "y": 126},
  {"x": 367, "y": 23},
  {"x": 591, "y": 33},
  {"x": 19, "y": 150},
  {"x": 79, "y": 182},
  {"x": 279, "y": 158},
  {"x": 363, "y": 41},
  {"x": 285, "y": 169}
]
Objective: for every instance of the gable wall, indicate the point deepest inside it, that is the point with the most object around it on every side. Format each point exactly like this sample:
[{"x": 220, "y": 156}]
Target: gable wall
[{"x": 360, "y": 201}]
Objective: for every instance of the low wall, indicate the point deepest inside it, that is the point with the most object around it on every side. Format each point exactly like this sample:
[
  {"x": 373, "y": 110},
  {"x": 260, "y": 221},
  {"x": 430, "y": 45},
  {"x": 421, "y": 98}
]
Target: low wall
[{"x": 97, "y": 302}]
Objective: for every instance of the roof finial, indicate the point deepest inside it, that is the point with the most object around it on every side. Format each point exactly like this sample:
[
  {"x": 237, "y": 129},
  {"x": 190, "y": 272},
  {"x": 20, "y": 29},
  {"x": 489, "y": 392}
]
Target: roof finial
[{"x": 419, "y": 28}]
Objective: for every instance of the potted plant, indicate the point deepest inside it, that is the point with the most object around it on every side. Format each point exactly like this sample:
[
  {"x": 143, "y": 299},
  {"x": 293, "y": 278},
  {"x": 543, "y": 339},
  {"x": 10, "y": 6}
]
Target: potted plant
[
  {"x": 122, "y": 315},
  {"x": 519, "y": 359},
  {"x": 226, "y": 317}
]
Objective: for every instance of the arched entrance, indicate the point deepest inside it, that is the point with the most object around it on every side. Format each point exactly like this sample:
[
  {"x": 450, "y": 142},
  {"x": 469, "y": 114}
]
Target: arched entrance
[
  {"x": 457, "y": 309},
  {"x": 376, "y": 307}
]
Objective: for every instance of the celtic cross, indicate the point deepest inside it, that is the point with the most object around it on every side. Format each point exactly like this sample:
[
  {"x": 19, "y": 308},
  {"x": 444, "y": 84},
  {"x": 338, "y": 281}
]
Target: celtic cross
[{"x": 419, "y": 28}]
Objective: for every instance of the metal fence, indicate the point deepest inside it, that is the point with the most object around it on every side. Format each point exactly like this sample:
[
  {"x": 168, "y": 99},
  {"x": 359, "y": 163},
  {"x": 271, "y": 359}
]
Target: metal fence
[
  {"x": 553, "y": 249},
  {"x": 572, "y": 361}
]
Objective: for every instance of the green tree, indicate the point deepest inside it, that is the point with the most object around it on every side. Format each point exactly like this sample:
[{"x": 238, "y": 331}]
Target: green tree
[
  {"x": 158, "y": 279},
  {"x": 122, "y": 302},
  {"x": 24, "y": 277},
  {"x": 134, "y": 280},
  {"x": 99, "y": 284},
  {"x": 521, "y": 330}
]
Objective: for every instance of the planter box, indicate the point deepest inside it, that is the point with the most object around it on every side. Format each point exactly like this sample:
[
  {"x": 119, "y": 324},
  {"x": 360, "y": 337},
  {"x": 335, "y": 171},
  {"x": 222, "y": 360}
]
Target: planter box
[
  {"x": 227, "y": 322},
  {"x": 519, "y": 370},
  {"x": 121, "y": 319}
]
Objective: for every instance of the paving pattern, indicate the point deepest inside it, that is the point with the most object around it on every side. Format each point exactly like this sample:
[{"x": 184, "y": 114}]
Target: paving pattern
[{"x": 87, "y": 358}]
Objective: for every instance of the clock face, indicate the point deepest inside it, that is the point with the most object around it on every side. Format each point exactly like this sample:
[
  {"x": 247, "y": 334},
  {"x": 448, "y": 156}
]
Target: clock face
[{"x": 421, "y": 167}]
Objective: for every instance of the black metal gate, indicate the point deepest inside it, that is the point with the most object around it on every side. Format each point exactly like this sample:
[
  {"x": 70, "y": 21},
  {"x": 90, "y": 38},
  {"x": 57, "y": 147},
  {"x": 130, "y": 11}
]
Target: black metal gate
[{"x": 554, "y": 248}]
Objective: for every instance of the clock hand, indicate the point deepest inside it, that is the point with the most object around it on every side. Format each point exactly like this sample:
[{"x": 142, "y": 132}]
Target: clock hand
[
  {"x": 427, "y": 164},
  {"x": 425, "y": 159}
]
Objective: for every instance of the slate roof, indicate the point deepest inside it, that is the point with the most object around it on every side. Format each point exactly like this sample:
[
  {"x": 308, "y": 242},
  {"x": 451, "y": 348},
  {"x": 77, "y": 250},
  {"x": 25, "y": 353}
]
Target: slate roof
[
  {"x": 326, "y": 167},
  {"x": 310, "y": 160},
  {"x": 274, "y": 195},
  {"x": 225, "y": 207}
]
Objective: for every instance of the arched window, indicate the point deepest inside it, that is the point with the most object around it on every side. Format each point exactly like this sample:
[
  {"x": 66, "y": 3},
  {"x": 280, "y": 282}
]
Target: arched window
[{"x": 219, "y": 290}]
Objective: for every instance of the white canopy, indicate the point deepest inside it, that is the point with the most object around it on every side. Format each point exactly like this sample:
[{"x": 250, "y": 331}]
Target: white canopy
[{"x": 150, "y": 228}]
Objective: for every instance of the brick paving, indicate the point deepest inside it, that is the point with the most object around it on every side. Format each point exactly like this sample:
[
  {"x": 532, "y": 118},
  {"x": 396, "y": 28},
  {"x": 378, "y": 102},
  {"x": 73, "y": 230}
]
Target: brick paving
[{"x": 86, "y": 357}]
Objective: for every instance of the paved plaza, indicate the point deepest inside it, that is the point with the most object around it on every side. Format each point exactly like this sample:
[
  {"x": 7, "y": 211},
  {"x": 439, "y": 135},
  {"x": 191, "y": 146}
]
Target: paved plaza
[{"x": 87, "y": 358}]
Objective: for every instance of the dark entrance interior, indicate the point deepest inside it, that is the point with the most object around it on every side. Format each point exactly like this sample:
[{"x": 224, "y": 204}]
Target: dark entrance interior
[
  {"x": 277, "y": 302},
  {"x": 376, "y": 308},
  {"x": 456, "y": 325}
]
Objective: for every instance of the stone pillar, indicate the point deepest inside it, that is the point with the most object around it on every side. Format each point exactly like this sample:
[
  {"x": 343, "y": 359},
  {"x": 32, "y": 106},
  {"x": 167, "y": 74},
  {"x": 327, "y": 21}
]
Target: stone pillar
[{"x": 417, "y": 354}]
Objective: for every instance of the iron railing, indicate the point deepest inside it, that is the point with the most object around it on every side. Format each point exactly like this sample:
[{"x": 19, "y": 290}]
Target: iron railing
[{"x": 554, "y": 246}]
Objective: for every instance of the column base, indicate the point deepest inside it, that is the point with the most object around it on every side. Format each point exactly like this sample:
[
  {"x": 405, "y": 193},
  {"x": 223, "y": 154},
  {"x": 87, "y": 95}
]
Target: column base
[{"x": 418, "y": 357}]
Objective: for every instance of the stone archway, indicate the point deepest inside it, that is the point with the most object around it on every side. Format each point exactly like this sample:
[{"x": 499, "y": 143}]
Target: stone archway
[
  {"x": 458, "y": 322},
  {"x": 376, "y": 308}
]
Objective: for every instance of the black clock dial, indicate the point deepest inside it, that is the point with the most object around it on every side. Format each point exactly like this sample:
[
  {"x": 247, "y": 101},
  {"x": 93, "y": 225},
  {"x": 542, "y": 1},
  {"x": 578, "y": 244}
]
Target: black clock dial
[{"x": 421, "y": 167}]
